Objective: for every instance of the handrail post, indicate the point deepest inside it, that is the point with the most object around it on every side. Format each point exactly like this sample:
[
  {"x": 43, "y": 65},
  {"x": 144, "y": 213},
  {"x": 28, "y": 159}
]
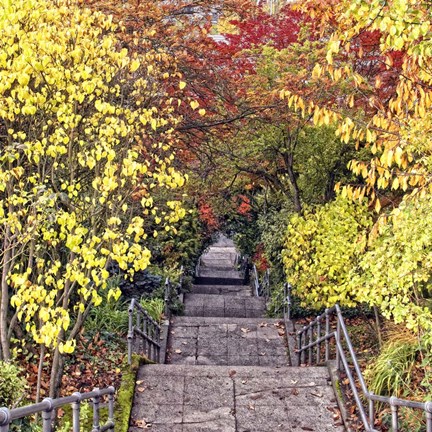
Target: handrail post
[
  {"x": 5, "y": 419},
  {"x": 76, "y": 408},
  {"x": 310, "y": 345},
  {"x": 327, "y": 332},
  {"x": 394, "y": 412},
  {"x": 130, "y": 334},
  {"x": 111, "y": 407},
  {"x": 303, "y": 353},
  {"x": 371, "y": 411},
  {"x": 299, "y": 347},
  {"x": 338, "y": 339},
  {"x": 257, "y": 284},
  {"x": 288, "y": 300},
  {"x": 428, "y": 410},
  {"x": 146, "y": 345},
  {"x": 96, "y": 403},
  {"x": 47, "y": 416},
  {"x": 167, "y": 297}
]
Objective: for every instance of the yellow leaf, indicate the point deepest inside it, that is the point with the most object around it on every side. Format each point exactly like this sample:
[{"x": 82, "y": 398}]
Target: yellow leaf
[
  {"x": 182, "y": 85},
  {"x": 202, "y": 112},
  {"x": 377, "y": 205},
  {"x": 135, "y": 64},
  {"x": 194, "y": 105}
]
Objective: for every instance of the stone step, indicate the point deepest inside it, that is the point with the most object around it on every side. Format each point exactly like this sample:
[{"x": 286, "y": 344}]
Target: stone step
[
  {"x": 205, "y": 272},
  {"x": 199, "y": 280},
  {"x": 234, "y": 290},
  {"x": 222, "y": 267},
  {"x": 185, "y": 398},
  {"x": 203, "y": 305},
  {"x": 219, "y": 259},
  {"x": 227, "y": 341}
]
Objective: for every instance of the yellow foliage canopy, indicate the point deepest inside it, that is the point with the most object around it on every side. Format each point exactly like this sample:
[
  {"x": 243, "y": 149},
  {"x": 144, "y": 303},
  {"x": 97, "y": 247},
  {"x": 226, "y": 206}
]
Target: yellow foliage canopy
[{"x": 76, "y": 136}]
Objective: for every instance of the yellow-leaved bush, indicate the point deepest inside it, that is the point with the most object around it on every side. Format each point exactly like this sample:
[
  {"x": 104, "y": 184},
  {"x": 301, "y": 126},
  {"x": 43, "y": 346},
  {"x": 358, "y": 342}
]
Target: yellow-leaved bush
[
  {"x": 322, "y": 247},
  {"x": 394, "y": 273},
  {"x": 80, "y": 158}
]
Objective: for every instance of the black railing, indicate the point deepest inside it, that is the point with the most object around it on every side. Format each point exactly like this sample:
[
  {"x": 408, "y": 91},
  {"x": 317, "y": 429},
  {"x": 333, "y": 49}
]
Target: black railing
[
  {"x": 261, "y": 288},
  {"x": 243, "y": 265},
  {"x": 172, "y": 293},
  {"x": 287, "y": 304},
  {"x": 143, "y": 334},
  {"x": 49, "y": 406},
  {"x": 310, "y": 340}
]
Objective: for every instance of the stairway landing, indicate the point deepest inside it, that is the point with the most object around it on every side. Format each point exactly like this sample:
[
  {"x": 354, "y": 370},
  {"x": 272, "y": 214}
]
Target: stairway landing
[{"x": 229, "y": 368}]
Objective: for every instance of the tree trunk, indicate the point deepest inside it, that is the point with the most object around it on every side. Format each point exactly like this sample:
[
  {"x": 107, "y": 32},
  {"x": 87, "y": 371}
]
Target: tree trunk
[
  {"x": 4, "y": 301},
  {"x": 295, "y": 189},
  {"x": 56, "y": 373}
]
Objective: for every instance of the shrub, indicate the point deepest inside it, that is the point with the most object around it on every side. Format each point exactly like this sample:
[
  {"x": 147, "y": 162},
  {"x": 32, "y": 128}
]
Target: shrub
[
  {"x": 12, "y": 384},
  {"x": 154, "y": 307}
]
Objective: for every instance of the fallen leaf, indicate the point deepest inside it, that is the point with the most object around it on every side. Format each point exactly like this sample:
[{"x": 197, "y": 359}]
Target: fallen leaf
[
  {"x": 232, "y": 373},
  {"x": 140, "y": 382},
  {"x": 294, "y": 392},
  {"x": 256, "y": 396},
  {"x": 245, "y": 330},
  {"x": 178, "y": 351},
  {"x": 141, "y": 389},
  {"x": 143, "y": 424},
  {"x": 263, "y": 324}
]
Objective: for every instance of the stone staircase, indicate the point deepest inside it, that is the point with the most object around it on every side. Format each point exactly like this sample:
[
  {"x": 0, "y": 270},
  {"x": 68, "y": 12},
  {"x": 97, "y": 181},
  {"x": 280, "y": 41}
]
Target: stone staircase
[{"x": 228, "y": 368}]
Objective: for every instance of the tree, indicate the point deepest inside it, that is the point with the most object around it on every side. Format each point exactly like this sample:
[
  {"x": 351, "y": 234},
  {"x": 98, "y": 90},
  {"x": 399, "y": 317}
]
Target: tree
[
  {"x": 77, "y": 170},
  {"x": 392, "y": 82}
]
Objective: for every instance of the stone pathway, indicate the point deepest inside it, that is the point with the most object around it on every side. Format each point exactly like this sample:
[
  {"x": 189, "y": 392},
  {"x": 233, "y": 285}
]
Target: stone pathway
[{"x": 229, "y": 367}]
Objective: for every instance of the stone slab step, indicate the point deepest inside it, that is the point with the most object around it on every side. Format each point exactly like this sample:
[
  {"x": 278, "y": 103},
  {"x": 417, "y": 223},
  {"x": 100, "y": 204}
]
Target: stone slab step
[
  {"x": 227, "y": 341},
  {"x": 205, "y": 272},
  {"x": 199, "y": 280},
  {"x": 217, "y": 259},
  {"x": 234, "y": 290},
  {"x": 185, "y": 398},
  {"x": 223, "y": 306}
]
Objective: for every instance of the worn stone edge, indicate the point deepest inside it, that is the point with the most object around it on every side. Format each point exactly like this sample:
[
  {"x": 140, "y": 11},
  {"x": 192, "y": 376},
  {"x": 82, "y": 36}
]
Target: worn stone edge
[
  {"x": 125, "y": 394},
  {"x": 336, "y": 384}
]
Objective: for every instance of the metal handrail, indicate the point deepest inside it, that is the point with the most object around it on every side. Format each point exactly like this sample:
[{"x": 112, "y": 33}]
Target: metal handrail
[
  {"x": 256, "y": 283},
  {"x": 168, "y": 297},
  {"x": 309, "y": 341},
  {"x": 197, "y": 267},
  {"x": 48, "y": 405},
  {"x": 287, "y": 303},
  {"x": 143, "y": 325},
  {"x": 261, "y": 289},
  {"x": 242, "y": 263}
]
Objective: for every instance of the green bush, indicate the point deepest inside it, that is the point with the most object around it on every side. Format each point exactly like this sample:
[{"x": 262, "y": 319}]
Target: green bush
[
  {"x": 110, "y": 316},
  {"x": 154, "y": 307},
  {"x": 12, "y": 384}
]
